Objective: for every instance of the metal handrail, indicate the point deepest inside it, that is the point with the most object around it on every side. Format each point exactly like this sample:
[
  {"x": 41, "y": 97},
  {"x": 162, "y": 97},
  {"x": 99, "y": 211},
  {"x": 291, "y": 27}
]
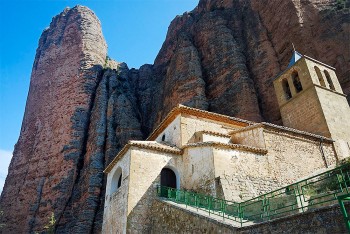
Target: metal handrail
[{"x": 314, "y": 192}]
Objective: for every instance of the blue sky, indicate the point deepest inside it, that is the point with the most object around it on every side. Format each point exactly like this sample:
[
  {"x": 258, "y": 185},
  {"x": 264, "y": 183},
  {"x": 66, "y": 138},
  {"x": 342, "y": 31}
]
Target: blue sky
[{"x": 134, "y": 31}]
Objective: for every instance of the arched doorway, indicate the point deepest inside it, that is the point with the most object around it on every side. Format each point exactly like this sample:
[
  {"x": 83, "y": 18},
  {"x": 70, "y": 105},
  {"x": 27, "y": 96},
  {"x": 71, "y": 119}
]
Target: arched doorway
[{"x": 168, "y": 178}]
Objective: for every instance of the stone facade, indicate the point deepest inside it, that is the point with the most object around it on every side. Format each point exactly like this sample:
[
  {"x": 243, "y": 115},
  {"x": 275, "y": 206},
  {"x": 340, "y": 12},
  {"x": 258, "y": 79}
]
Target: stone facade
[
  {"x": 238, "y": 161},
  {"x": 320, "y": 106}
]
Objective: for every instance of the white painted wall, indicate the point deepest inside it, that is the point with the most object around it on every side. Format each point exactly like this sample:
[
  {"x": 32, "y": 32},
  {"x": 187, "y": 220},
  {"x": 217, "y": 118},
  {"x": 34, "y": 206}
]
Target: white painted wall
[
  {"x": 172, "y": 133},
  {"x": 209, "y": 137},
  {"x": 198, "y": 170},
  {"x": 253, "y": 137},
  {"x": 191, "y": 124},
  {"x": 115, "y": 208}
]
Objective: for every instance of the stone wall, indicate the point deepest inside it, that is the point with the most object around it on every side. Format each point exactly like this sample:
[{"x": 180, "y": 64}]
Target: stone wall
[
  {"x": 167, "y": 218},
  {"x": 116, "y": 203},
  {"x": 116, "y": 210},
  {"x": 198, "y": 170},
  {"x": 305, "y": 113},
  {"x": 145, "y": 166},
  {"x": 336, "y": 112},
  {"x": 290, "y": 156},
  {"x": 243, "y": 175}
]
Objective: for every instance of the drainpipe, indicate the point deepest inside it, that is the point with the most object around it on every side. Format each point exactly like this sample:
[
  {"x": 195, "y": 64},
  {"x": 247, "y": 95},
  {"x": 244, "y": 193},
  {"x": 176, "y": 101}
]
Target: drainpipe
[{"x": 322, "y": 152}]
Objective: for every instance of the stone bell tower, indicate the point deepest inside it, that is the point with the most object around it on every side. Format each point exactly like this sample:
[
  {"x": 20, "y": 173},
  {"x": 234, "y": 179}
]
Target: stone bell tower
[{"x": 310, "y": 99}]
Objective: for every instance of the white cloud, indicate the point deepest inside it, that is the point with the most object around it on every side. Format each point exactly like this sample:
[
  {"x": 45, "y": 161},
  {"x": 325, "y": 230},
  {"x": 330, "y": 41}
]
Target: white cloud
[{"x": 5, "y": 159}]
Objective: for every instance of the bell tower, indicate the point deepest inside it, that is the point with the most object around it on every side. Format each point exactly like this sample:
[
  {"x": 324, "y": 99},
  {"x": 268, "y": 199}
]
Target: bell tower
[{"x": 310, "y": 99}]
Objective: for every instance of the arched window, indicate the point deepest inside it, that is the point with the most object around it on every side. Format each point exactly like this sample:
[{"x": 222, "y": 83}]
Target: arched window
[
  {"x": 168, "y": 178},
  {"x": 296, "y": 81},
  {"x": 329, "y": 80},
  {"x": 119, "y": 181},
  {"x": 286, "y": 89},
  {"x": 116, "y": 180},
  {"x": 320, "y": 77}
]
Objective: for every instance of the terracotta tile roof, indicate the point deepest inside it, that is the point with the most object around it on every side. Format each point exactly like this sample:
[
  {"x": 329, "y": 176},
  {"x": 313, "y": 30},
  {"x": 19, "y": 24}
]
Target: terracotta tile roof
[
  {"x": 214, "y": 133},
  {"x": 284, "y": 129},
  {"x": 181, "y": 109},
  {"x": 227, "y": 146},
  {"x": 164, "y": 146},
  {"x": 152, "y": 145}
]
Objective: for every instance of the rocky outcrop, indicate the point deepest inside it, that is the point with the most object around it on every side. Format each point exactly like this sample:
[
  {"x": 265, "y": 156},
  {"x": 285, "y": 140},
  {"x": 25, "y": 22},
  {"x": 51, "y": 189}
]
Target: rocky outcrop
[
  {"x": 82, "y": 107},
  {"x": 50, "y": 154}
]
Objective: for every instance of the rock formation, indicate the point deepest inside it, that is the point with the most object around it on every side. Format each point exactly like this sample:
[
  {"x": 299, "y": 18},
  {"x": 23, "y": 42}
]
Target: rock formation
[
  {"x": 82, "y": 107},
  {"x": 46, "y": 169}
]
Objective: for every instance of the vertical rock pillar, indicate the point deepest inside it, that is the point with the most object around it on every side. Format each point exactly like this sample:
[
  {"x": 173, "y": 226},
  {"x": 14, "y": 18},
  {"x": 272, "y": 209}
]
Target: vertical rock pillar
[{"x": 49, "y": 153}]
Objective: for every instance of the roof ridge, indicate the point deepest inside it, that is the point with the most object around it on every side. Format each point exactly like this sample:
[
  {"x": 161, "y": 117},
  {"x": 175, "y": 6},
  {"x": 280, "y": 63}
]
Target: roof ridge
[
  {"x": 283, "y": 128},
  {"x": 227, "y": 145},
  {"x": 214, "y": 133},
  {"x": 205, "y": 114}
]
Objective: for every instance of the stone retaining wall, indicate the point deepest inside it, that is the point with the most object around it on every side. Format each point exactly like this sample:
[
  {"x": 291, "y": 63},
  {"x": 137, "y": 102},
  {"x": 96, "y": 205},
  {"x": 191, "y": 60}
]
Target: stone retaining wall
[{"x": 168, "y": 218}]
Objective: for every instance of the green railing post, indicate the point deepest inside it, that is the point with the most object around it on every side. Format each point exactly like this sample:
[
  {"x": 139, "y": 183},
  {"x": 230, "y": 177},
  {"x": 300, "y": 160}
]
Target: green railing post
[
  {"x": 343, "y": 210},
  {"x": 266, "y": 207},
  {"x": 223, "y": 208},
  {"x": 300, "y": 194},
  {"x": 240, "y": 214},
  {"x": 344, "y": 178},
  {"x": 209, "y": 203},
  {"x": 339, "y": 180}
]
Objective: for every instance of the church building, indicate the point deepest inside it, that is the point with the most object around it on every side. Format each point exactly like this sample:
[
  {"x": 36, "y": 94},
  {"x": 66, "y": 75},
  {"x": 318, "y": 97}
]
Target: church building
[{"x": 231, "y": 158}]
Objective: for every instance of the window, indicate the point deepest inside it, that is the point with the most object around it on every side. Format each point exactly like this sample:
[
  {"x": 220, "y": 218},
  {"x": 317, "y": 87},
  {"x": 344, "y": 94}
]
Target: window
[
  {"x": 163, "y": 137},
  {"x": 120, "y": 181},
  {"x": 320, "y": 77},
  {"x": 296, "y": 82},
  {"x": 329, "y": 80},
  {"x": 116, "y": 180},
  {"x": 286, "y": 89}
]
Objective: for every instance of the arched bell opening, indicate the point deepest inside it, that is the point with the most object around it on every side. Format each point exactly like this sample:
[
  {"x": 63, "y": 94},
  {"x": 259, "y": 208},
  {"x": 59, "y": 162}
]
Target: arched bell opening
[
  {"x": 296, "y": 82},
  {"x": 329, "y": 80},
  {"x": 320, "y": 77},
  {"x": 286, "y": 89}
]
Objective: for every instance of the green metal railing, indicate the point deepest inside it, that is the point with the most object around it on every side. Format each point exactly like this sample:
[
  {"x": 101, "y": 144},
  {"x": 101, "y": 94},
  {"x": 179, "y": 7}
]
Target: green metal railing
[
  {"x": 342, "y": 199},
  {"x": 317, "y": 191}
]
